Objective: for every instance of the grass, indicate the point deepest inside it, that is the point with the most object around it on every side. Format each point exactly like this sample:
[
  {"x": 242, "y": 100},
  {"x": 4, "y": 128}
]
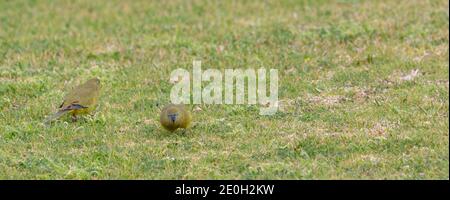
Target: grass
[{"x": 346, "y": 110}]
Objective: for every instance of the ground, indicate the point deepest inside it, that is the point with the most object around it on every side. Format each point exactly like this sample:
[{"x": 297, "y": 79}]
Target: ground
[{"x": 363, "y": 89}]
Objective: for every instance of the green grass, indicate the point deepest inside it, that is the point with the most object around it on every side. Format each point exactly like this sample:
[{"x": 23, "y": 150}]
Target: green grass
[{"x": 345, "y": 111}]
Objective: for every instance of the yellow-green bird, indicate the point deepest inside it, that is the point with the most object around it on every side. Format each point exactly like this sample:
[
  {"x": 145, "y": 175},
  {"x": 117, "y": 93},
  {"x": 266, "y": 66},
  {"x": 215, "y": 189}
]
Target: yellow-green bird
[
  {"x": 81, "y": 100},
  {"x": 174, "y": 116}
]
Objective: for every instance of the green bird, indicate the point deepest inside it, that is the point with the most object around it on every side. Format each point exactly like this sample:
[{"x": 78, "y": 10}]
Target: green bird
[
  {"x": 81, "y": 100},
  {"x": 175, "y": 116}
]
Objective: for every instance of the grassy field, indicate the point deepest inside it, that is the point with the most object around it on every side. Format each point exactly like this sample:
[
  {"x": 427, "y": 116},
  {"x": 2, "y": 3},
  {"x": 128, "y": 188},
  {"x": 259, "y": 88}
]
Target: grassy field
[{"x": 363, "y": 89}]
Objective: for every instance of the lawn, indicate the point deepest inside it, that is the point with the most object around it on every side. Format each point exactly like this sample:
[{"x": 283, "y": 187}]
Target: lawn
[{"x": 363, "y": 89}]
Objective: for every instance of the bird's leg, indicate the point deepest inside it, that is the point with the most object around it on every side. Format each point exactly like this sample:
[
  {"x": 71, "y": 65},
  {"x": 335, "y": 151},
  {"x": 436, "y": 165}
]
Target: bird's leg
[{"x": 74, "y": 118}]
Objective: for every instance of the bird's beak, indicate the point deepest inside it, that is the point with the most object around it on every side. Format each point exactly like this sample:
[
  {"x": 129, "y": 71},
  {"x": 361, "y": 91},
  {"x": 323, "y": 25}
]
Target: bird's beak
[{"x": 173, "y": 118}]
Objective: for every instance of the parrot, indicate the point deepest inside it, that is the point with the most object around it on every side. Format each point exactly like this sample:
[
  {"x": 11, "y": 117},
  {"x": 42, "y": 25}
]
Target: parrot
[
  {"x": 174, "y": 116},
  {"x": 81, "y": 100}
]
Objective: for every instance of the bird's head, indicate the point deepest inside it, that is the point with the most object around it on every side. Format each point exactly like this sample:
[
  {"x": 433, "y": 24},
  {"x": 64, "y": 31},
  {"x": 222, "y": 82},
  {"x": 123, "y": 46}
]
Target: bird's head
[{"x": 94, "y": 81}]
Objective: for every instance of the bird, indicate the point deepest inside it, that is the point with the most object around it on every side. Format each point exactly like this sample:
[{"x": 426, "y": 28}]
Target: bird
[
  {"x": 81, "y": 100},
  {"x": 174, "y": 116}
]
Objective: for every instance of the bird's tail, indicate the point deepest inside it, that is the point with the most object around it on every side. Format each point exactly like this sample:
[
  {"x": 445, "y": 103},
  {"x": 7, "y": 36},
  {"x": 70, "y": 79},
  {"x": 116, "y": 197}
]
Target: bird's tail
[{"x": 55, "y": 116}]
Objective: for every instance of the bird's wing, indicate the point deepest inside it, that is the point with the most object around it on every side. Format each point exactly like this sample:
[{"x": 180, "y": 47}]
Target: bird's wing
[
  {"x": 74, "y": 106},
  {"x": 62, "y": 111}
]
